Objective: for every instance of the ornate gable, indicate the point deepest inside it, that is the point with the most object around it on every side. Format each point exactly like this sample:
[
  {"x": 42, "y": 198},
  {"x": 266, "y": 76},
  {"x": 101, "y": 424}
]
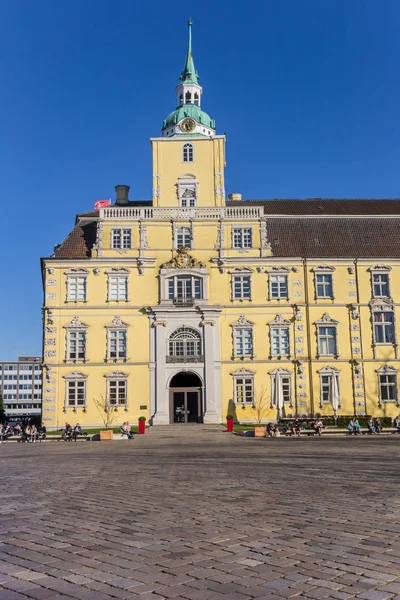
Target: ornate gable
[
  {"x": 117, "y": 323},
  {"x": 242, "y": 322}
]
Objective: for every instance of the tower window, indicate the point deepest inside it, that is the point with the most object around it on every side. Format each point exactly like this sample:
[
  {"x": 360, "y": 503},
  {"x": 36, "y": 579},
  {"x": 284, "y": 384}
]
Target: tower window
[
  {"x": 188, "y": 98},
  {"x": 196, "y": 99},
  {"x": 188, "y": 153},
  {"x": 180, "y": 100}
]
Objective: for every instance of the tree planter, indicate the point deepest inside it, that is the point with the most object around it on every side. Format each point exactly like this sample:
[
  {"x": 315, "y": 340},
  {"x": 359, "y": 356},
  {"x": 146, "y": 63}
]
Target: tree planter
[
  {"x": 229, "y": 425},
  {"x": 106, "y": 435},
  {"x": 260, "y": 432},
  {"x": 142, "y": 426}
]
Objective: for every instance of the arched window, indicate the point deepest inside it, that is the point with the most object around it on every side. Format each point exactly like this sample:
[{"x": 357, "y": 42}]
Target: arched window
[
  {"x": 184, "y": 345},
  {"x": 196, "y": 99},
  {"x": 188, "y": 98},
  {"x": 188, "y": 153},
  {"x": 181, "y": 100},
  {"x": 184, "y": 237}
]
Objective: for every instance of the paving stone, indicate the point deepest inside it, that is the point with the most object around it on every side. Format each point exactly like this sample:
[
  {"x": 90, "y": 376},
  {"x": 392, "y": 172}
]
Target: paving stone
[{"x": 198, "y": 523}]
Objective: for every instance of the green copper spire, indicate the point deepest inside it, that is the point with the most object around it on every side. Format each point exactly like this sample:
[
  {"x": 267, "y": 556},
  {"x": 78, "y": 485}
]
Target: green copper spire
[{"x": 189, "y": 73}]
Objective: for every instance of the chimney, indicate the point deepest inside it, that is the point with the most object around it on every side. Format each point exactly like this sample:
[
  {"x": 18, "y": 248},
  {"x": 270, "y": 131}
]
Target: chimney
[
  {"x": 235, "y": 196},
  {"x": 122, "y": 194}
]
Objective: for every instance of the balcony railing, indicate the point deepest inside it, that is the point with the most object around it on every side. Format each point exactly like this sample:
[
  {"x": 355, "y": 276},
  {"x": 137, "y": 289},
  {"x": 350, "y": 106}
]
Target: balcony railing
[
  {"x": 185, "y": 359},
  {"x": 159, "y": 213},
  {"x": 184, "y": 301}
]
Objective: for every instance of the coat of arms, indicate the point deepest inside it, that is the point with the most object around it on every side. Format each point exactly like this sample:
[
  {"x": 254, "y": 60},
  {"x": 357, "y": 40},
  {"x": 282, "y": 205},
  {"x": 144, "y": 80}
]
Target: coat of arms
[{"x": 182, "y": 260}]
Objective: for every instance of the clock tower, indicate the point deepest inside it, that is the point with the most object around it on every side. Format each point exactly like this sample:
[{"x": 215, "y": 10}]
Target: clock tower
[{"x": 189, "y": 157}]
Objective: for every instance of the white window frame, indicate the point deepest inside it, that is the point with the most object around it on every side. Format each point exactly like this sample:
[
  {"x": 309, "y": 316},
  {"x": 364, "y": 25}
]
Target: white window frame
[
  {"x": 71, "y": 381},
  {"x": 167, "y": 273},
  {"x": 75, "y": 326},
  {"x": 182, "y": 338},
  {"x": 117, "y": 378},
  {"x": 187, "y": 189},
  {"x": 239, "y": 328},
  {"x": 283, "y": 325},
  {"x": 120, "y": 338},
  {"x": 379, "y": 270},
  {"x": 76, "y": 338},
  {"x": 274, "y": 278},
  {"x": 281, "y": 377},
  {"x": 327, "y": 271},
  {"x": 116, "y": 273},
  {"x": 383, "y": 374},
  {"x": 327, "y": 322},
  {"x": 186, "y": 233},
  {"x": 177, "y": 297},
  {"x": 118, "y": 284},
  {"x": 188, "y": 153},
  {"x": 242, "y": 238},
  {"x": 383, "y": 326},
  {"x": 329, "y": 373},
  {"x": 245, "y": 379},
  {"x": 116, "y": 326},
  {"x": 79, "y": 283},
  {"x": 238, "y": 278},
  {"x": 121, "y": 239}
]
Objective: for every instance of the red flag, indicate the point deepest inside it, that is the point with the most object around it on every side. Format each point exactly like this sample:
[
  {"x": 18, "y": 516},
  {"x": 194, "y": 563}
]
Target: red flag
[{"x": 101, "y": 204}]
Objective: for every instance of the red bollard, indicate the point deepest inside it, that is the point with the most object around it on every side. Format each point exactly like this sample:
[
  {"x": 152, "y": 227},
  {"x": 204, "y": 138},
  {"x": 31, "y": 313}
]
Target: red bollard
[{"x": 142, "y": 426}]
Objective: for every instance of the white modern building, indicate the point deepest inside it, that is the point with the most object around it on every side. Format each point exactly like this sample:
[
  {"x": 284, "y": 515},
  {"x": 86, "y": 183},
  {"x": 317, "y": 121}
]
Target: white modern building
[{"x": 21, "y": 387}]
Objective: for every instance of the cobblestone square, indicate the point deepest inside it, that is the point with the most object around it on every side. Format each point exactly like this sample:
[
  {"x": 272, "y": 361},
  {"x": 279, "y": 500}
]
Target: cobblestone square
[{"x": 201, "y": 514}]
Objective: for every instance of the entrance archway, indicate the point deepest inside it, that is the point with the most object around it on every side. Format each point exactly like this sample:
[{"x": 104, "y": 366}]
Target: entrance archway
[{"x": 185, "y": 398}]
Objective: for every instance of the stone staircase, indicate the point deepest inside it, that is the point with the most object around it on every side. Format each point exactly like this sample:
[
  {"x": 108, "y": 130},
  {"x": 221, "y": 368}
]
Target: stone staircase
[{"x": 184, "y": 429}]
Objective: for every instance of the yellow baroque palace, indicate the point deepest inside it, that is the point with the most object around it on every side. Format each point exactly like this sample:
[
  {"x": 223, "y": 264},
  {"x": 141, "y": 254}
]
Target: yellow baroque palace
[{"x": 190, "y": 306}]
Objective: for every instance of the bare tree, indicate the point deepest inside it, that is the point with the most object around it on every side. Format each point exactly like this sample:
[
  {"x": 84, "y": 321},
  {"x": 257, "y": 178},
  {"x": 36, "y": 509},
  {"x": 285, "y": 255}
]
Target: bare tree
[
  {"x": 107, "y": 411},
  {"x": 261, "y": 404}
]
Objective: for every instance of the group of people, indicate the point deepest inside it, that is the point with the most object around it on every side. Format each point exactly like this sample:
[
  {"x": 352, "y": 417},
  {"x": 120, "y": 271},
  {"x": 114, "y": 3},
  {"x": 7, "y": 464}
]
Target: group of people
[
  {"x": 125, "y": 429},
  {"x": 71, "y": 433},
  {"x": 295, "y": 427},
  {"x": 29, "y": 433}
]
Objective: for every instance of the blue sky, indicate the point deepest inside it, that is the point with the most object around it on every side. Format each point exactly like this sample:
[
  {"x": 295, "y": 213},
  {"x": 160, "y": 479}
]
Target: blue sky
[{"x": 306, "y": 91}]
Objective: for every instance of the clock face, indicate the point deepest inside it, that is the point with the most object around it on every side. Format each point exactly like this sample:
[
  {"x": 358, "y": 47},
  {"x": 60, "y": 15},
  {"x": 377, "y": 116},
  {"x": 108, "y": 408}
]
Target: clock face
[{"x": 188, "y": 125}]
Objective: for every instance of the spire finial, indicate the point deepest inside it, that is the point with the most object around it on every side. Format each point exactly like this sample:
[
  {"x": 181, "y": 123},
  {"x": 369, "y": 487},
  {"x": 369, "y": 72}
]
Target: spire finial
[{"x": 189, "y": 72}]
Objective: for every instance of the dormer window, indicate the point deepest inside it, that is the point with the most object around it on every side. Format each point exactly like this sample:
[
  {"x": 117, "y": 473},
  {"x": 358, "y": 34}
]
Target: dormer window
[{"x": 188, "y": 153}]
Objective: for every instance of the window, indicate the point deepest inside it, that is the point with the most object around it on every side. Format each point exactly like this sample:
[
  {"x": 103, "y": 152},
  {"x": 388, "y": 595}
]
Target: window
[
  {"x": 121, "y": 238},
  {"x": 280, "y": 341},
  {"x": 281, "y": 392},
  {"x": 188, "y": 153},
  {"x": 244, "y": 389},
  {"x": 117, "y": 344},
  {"x": 241, "y": 237},
  {"x": 76, "y": 345},
  {"x": 196, "y": 99},
  {"x": 327, "y": 341},
  {"x": 117, "y": 392},
  {"x": 184, "y": 345},
  {"x": 184, "y": 289},
  {"x": 278, "y": 286},
  {"x": 243, "y": 341},
  {"x": 184, "y": 237},
  {"x": 388, "y": 387},
  {"x": 325, "y": 388},
  {"x": 188, "y": 98},
  {"x": 383, "y": 327},
  {"x": 76, "y": 289},
  {"x": 324, "y": 285},
  {"x": 241, "y": 287},
  {"x": 380, "y": 285},
  {"x": 180, "y": 100},
  {"x": 76, "y": 393},
  {"x": 117, "y": 288}
]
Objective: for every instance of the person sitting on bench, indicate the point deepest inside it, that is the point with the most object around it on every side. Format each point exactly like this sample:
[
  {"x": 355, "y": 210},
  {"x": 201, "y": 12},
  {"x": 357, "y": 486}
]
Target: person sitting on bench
[
  {"x": 77, "y": 431},
  {"x": 125, "y": 430}
]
